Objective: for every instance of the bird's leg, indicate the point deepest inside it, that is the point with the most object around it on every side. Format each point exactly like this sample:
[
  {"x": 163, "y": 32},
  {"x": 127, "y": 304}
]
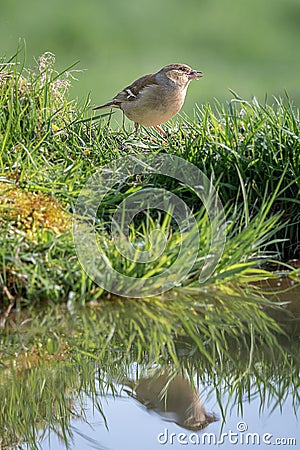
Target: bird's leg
[
  {"x": 160, "y": 130},
  {"x": 136, "y": 127}
]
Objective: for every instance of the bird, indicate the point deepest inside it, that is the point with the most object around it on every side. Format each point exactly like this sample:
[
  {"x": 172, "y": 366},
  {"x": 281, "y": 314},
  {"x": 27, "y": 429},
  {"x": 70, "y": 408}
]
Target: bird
[{"x": 155, "y": 98}]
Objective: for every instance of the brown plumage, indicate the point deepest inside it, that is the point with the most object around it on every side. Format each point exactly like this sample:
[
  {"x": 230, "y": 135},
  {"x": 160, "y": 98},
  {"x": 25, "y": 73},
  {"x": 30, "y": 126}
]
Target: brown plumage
[{"x": 155, "y": 98}]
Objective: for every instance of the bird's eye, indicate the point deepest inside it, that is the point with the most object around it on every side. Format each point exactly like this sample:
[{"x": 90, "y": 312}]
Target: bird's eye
[{"x": 182, "y": 69}]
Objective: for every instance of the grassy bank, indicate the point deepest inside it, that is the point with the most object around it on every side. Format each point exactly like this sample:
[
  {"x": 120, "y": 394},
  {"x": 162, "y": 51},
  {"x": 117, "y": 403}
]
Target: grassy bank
[{"x": 49, "y": 148}]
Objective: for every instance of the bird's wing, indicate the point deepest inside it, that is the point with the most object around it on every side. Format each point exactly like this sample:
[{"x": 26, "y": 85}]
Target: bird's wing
[{"x": 131, "y": 92}]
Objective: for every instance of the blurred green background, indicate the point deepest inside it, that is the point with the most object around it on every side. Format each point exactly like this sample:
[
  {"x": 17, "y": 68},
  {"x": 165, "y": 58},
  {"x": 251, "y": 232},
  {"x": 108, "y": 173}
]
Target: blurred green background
[{"x": 251, "y": 47}]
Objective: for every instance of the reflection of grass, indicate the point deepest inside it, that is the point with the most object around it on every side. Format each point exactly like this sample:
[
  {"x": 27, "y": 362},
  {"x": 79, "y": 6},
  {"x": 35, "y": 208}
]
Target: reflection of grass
[
  {"x": 48, "y": 150},
  {"x": 225, "y": 342}
]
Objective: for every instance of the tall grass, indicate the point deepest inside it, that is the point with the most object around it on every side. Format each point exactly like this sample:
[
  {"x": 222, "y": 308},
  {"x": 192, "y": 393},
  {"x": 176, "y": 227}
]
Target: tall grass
[
  {"x": 48, "y": 147},
  {"x": 255, "y": 143}
]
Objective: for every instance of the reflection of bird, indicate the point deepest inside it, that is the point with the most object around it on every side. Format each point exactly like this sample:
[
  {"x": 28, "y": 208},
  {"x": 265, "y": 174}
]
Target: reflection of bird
[
  {"x": 155, "y": 98},
  {"x": 174, "y": 398}
]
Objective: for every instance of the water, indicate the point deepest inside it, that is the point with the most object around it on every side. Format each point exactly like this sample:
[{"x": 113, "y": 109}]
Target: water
[
  {"x": 132, "y": 426},
  {"x": 210, "y": 370}
]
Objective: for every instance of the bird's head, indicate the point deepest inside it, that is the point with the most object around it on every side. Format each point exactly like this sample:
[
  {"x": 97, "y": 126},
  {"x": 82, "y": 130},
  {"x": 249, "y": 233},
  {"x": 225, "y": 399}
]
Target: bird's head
[{"x": 180, "y": 74}]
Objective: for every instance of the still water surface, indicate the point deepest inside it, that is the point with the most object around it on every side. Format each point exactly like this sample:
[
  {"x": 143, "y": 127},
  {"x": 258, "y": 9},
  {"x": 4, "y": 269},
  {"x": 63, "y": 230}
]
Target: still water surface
[
  {"x": 187, "y": 373},
  {"x": 132, "y": 426}
]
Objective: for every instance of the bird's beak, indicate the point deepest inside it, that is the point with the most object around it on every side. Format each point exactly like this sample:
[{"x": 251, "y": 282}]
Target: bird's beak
[{"x": 195, "y": 75}]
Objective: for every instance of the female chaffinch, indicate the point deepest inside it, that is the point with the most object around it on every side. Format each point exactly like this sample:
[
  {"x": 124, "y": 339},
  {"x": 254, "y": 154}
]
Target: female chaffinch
[{"x": 155, "y": 98}]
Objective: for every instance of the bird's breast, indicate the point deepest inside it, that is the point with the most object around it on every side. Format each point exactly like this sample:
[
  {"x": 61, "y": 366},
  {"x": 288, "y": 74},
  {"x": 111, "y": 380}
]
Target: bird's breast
[{"x": 154, "y": 105}]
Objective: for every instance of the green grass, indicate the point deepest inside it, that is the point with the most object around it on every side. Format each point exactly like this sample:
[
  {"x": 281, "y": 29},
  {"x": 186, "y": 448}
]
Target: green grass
[{"x": 49, "y": 148}]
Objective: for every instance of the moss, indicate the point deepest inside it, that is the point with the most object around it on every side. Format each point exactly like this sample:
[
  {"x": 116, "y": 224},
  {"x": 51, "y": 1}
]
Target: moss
[{"x": 32, "y": 211}]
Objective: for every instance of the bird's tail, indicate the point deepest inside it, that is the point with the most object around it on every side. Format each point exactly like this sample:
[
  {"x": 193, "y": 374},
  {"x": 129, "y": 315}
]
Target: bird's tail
[{"x": 110, "y": 104}]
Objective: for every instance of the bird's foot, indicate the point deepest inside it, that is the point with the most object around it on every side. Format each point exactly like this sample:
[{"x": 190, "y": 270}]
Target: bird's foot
[{"x": 160, "y": 130}]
